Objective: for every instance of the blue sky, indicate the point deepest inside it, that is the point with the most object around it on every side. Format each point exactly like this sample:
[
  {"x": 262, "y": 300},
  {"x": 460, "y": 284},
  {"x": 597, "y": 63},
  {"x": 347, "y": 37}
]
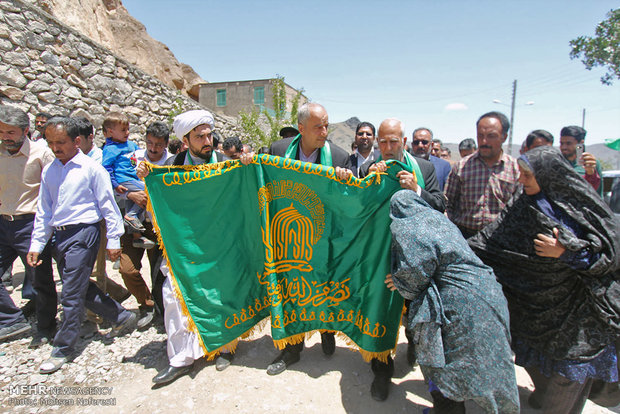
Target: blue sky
[{"x": 438, "y": 64}]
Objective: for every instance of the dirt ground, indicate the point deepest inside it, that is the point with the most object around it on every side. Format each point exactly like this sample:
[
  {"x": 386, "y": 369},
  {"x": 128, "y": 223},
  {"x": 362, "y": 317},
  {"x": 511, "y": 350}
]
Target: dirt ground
[{"x": 336, "y": 384}]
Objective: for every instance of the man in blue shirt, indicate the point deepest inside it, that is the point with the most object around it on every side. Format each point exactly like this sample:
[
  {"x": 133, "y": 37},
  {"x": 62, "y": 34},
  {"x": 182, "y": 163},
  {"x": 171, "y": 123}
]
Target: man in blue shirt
[{"x": 75, "y": 195}]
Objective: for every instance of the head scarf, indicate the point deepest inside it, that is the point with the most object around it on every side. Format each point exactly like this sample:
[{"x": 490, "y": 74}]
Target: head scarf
[
  {"x": 189, "y": 120},
  {"x": 560, "y": 311}
]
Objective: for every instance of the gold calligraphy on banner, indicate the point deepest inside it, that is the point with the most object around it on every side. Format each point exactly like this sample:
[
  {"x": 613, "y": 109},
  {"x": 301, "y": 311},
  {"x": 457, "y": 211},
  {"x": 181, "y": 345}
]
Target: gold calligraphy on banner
[
  {"x": 301, "y": 193},
  {"x": 302, "y": 292},
  {"x": 251, "y": 312},
  {"x": 197, "y": 172},
  {"x": 317, "y": 169},
  {"x": 203, "y": 171},
  {"x": 363, "y": 324}
]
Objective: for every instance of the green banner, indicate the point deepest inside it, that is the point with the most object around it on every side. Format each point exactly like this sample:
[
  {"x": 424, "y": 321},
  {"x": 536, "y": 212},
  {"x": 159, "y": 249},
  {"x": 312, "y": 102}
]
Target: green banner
[
  {"x": 613, "y": 143},
  {"x": 279, "y": 239}
]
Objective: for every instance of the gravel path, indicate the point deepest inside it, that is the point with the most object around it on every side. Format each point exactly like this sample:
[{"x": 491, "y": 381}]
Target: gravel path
[{"x": 114, "y": 376}]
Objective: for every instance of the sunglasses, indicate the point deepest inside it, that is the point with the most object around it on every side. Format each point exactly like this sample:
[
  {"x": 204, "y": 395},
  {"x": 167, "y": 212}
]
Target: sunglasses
[{"x": 420, "y": 141}]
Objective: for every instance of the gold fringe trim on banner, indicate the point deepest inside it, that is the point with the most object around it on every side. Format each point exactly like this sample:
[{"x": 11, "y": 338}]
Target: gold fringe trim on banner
[
  {"x": 231, "y": 347},
  {"x": 366, "y": 355}
]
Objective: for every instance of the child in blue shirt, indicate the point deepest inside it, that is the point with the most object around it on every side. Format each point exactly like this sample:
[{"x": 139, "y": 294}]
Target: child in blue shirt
[{"x": 117, "y": 160}]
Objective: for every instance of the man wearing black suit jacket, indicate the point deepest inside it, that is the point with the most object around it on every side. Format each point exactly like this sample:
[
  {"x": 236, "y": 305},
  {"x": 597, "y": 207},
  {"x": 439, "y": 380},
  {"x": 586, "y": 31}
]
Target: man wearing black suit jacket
[
  {"x": 391, "y": 139},
  {"x": 311, "y": 145},
  {"x": 365, "y": 154}
]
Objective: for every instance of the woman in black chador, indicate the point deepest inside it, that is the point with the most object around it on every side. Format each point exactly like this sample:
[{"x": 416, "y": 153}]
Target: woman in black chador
[{"x": 554, "y": 249}]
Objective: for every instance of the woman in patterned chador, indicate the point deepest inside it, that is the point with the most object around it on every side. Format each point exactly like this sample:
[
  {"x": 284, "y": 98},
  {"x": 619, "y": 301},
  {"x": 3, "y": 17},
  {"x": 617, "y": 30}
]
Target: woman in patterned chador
[{"x": 458, "y": 315}]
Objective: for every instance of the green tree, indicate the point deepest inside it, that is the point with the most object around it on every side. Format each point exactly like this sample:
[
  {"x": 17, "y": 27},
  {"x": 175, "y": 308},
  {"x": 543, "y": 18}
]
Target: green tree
[
  {"x": 602, "y": 49},
  {"x": 177, "y": 108},
  {"x": 606, "y": 165},
  {"x": 264, "y": 136}
]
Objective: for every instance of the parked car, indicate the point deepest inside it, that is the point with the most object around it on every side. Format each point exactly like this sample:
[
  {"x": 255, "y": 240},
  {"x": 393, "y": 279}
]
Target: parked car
[{"x": 611, "y": 190}]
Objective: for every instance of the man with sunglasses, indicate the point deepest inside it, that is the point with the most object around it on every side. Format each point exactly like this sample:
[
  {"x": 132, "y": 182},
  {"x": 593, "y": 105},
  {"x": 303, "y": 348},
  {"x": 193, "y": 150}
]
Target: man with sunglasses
[{"x": 421, "y": 145}]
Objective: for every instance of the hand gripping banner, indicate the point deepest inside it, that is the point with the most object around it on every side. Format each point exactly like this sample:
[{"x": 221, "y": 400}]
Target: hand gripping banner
[{"x": 279, "y": 239}]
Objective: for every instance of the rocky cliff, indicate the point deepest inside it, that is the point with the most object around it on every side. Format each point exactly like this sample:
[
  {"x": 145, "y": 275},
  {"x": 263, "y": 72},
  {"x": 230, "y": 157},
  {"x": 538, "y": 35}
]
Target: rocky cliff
[
  {"x": 109, "y": 23},
  {"x": 45, "y": 65}
]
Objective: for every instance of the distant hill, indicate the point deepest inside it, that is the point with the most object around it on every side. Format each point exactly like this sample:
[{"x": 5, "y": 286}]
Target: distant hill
[
  {"x": 343, "y": 135},
  {"x": 607, "y": 156}
]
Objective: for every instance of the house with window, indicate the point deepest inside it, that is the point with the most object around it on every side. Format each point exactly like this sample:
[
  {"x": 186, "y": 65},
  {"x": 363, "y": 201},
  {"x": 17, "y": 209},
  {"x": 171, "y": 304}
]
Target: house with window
[{"x": 229, "y": 98}]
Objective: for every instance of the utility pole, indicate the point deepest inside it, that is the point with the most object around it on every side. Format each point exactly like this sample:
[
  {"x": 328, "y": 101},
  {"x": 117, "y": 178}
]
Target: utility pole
[
  {"x": 512, "y": 116},
  {"x": 583, "y": 118}
]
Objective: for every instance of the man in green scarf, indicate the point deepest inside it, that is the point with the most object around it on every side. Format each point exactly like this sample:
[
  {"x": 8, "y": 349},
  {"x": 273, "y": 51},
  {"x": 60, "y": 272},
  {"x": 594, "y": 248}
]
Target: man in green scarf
[
  {"x": 311, "y": 145},
  {"x": 391, "y": 139},
  {"x": 420, "y": 178}
]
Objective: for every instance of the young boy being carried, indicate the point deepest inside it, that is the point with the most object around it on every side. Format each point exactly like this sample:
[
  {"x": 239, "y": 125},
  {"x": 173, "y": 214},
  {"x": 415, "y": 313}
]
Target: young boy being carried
[{"x": 117, "y": 160}]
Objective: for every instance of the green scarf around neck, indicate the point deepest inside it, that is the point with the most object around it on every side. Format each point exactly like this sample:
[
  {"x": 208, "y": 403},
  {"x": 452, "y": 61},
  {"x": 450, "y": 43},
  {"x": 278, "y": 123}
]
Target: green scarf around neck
[
  {"x": 326, "y": 153},
  {"x": 412, "y": 166},
  {"x": 213, "y": 159}
]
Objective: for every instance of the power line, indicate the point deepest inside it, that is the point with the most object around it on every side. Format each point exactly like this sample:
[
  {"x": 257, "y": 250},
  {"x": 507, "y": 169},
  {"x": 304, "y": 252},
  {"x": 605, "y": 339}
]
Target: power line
[{"x": 419, "y": 101}]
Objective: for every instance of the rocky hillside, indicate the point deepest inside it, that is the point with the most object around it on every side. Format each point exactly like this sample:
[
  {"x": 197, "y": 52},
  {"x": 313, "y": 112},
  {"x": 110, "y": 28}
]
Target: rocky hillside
[
  {"x": 343, "y": 133},
  {"x": 109, "y": 23}
]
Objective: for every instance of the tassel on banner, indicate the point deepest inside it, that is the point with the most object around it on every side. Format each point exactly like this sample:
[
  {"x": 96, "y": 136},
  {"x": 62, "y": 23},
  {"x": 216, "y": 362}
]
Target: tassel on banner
[{"x": 366, "y": 355}]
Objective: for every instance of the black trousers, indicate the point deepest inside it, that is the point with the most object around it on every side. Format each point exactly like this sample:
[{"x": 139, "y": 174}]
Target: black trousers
[
  {"x": 297, "y": 348},
  {"x": 15, "y": 242},
  {"x": 558, "y": 394},
  {"x": 75, "y": 252}
]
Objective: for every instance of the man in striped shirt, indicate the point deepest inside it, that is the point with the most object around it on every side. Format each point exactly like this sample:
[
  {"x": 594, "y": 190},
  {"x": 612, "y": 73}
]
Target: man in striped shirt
[{"x": 480, "y": 185}]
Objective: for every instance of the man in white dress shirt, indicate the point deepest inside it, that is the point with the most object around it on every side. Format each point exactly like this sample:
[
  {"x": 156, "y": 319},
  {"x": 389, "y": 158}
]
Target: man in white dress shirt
[
  {"x": 109, "y": 286},
  {"x": 75, "y": 195}
]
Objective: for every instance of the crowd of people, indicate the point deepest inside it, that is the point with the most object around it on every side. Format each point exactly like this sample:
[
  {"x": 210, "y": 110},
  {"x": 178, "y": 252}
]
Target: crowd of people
[{"x": 501, "y": 260}]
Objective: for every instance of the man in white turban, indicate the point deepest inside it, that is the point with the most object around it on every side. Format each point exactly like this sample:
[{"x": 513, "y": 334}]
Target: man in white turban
[{"x": 196, "y": 130}]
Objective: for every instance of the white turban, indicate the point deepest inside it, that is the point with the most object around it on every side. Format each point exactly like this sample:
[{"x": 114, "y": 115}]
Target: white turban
[{"x": 189, "y": 120}]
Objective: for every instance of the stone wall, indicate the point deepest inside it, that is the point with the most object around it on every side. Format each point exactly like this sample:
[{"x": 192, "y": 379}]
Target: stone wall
[{"x": 47, "y": 66}]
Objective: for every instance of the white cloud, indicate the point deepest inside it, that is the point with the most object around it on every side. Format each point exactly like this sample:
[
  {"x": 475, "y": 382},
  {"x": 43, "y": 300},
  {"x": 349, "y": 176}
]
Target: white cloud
[{"x": 456, "y": 106}]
